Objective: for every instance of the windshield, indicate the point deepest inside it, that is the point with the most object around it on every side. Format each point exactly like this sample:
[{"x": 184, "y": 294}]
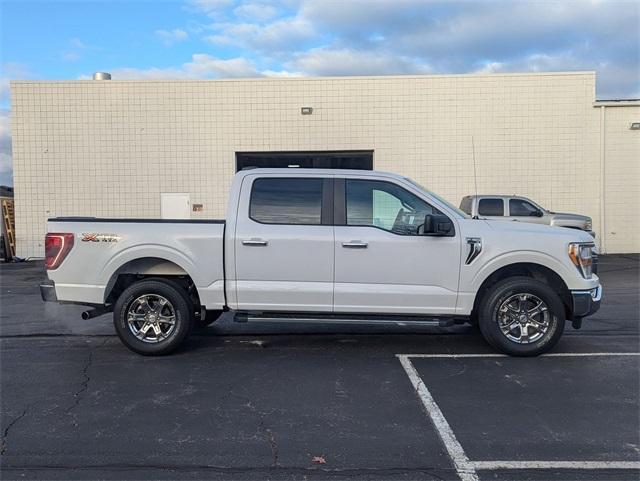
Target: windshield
[{"x": 440, "y": 199}]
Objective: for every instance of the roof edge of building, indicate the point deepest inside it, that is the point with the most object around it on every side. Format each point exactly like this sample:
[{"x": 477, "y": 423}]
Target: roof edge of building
[
  {"x": 617, "y": 103},
  {"x": 345, "y": 77}
]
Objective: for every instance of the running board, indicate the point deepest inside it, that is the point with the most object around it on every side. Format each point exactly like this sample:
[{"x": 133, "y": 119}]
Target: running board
[{"x": 346, "y": 319}]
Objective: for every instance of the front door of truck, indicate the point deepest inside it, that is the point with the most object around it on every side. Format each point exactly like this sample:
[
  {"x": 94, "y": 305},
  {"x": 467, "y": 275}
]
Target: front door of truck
[
  {"x": 524, "y": 211},
  {"x": 382, "y": 265},
  {"x": 284, "y": 243}
]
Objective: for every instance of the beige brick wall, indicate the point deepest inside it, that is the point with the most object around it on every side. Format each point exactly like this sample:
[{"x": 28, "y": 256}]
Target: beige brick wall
[
  {"x": 109, "y": 148},
  {"x": 621, "y": 161}
]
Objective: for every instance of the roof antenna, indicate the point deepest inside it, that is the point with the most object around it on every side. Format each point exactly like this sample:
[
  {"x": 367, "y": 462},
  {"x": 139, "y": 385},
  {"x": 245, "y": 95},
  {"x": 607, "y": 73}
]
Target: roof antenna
[{"x": 475, "y": 174}]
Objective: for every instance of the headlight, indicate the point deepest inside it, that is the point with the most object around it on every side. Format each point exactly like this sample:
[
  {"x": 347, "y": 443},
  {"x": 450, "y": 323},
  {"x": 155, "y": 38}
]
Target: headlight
[
  {"x": 588, "y": 225},
  {"x": 582, "y": 257}
]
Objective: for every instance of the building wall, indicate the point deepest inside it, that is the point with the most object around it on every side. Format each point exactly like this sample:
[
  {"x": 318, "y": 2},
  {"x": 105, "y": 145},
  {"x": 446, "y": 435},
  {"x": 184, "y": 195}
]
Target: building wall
[
  {"x": 109, "y": 148},
  {"x": 621, "y": 172}
]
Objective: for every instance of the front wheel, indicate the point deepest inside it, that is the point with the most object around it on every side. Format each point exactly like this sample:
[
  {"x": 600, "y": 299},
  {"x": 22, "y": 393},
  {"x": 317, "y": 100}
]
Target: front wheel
[
  {"x": 521, "y": 316},
  {"x": 153, "y": 317}
]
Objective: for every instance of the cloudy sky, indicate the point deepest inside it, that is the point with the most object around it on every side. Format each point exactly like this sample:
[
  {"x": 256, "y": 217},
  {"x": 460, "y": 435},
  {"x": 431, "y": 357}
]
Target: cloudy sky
[{"x": 232, "y": 38}]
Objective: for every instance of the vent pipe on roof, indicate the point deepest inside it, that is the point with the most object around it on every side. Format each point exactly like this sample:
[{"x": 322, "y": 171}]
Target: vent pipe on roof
[{"x": 102, "y": 76}]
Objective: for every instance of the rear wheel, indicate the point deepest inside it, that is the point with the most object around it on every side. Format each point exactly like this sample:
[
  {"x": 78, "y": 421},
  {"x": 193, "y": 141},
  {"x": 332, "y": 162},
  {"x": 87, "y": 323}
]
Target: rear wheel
[
  {"x": 153, "y": 316},
  {"x": 521, "y": 316}
]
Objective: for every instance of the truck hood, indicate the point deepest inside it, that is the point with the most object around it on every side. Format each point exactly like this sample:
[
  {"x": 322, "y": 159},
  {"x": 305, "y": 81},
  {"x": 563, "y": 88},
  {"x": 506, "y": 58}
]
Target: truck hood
[
  {"x": 569, "y": 217},
  {"x": 516, "y": 228}
]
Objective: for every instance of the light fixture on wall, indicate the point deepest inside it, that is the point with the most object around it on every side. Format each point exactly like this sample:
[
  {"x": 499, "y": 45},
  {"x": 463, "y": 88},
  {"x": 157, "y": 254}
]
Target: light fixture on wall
[
  {"x": 634, "y": 126},
  {"x": 306, "y": 110}
]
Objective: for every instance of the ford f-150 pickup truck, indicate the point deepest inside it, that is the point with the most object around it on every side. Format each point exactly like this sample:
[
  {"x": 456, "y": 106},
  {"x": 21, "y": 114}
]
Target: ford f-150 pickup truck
[
  {"x": 314, "y": 245},
  {"x": 516, "y": 208}
]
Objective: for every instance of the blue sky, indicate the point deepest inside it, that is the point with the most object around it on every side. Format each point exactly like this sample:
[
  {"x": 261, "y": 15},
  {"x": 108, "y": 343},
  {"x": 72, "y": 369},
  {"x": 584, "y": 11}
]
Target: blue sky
[{"x": 232, "y": 38}]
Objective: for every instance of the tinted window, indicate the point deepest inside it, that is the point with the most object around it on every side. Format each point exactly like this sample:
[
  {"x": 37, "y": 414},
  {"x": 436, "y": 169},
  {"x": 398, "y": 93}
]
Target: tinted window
[
  {"x": 286, "y": 201},
  {"x": 519, "y": 207},
  {"x": 491, "y": 207},
  {"x": 385, "y": 205},
  {"x": 465, "y": 205}
]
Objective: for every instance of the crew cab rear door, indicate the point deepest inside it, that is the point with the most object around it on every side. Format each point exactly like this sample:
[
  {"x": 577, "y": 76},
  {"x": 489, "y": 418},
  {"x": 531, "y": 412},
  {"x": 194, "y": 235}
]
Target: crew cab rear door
[
  {"x": 284, "y": 243},
  {"x": 381, "y": 264},
  {"x": 491, "y": 208}
]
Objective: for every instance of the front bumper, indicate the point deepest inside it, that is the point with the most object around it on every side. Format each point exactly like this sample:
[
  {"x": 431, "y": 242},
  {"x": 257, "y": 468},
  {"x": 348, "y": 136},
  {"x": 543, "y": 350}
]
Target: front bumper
[
  {"x": 586, "y": 303},
  {"x": 48, "y": 292}
]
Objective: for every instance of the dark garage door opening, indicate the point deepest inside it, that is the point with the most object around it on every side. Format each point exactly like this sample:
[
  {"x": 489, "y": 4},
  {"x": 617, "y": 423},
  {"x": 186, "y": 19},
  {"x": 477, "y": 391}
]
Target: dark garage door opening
[{"x": 349, "y": 159}]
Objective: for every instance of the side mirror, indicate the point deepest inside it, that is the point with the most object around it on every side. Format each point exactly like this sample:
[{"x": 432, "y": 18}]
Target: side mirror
[
  {"x": 438, "y": 225},
  {"x": 536, "y": 213}
]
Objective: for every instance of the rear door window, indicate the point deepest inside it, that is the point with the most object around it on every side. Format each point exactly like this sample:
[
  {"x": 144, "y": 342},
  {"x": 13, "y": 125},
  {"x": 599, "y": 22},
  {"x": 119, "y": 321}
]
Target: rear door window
[
  {"x": 491, "y": 207},
  {"x": 286, "y": 201}
]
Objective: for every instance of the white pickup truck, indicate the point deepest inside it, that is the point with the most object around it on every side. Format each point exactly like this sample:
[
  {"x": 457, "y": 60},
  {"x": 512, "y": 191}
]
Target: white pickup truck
[{"x": 314, "y": 245}]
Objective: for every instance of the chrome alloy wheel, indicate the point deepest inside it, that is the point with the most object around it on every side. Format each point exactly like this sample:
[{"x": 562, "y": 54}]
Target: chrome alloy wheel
[
  {"x": 524, "y": 318},
  {"x": 151, "y": 318}
]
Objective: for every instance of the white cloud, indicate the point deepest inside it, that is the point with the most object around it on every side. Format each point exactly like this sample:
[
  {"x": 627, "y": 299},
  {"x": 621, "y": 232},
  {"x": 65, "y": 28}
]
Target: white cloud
[
  {"x": 212, "y": 8},
  {"x": 612, "y": 78},
  {"x": 359, "y": 37},
  {"x": 5, "y": 128},
  {"x": 344, "y": 61},
  {"x": 259, "y": 12},
  {"x": 75, "y": 50},
  {"x": 285, "y": 34},
  {"x": 77, "y": 43},
  {"x": 201, "y": 66},
  {"x": 281, "y": 73},
  {"x": 206, "y": 66},
  {"x": 10, "y": 71},
  {"x": 6, "y": 161},
  {"x": 169, "y": 37},
  {"x": 5, "y": 89},
  {"x": 329, "y": 37},
  {"x": 70, "y": 56}
]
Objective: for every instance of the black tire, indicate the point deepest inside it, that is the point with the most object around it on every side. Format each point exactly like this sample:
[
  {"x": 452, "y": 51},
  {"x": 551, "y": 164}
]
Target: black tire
[
  {"x": 180, "y": 305},
  {"x": 499, "y": 295},
  {"x": 210, "y": 318}
]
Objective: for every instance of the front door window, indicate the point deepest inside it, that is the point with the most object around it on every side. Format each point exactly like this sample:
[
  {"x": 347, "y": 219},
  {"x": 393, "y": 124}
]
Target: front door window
[{"x": 386, "y": 206}]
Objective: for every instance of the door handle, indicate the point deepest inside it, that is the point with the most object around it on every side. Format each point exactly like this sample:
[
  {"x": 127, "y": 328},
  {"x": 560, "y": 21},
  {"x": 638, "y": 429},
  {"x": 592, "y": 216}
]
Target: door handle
[
  {"x": 355, "y": 245},
  {"x": 254, "y": 242}
]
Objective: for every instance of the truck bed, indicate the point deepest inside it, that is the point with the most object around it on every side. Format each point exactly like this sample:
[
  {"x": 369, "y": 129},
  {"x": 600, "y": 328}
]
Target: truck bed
[{"x": 105, "y": 248}]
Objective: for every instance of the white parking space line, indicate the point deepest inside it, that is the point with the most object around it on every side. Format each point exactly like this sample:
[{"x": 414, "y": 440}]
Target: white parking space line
[
  {"x": 467, "y": 469},
  {"x": 463, "y": 466},
  {"x": 552, "y": 354},
  {"x": 495, "y": 465}
]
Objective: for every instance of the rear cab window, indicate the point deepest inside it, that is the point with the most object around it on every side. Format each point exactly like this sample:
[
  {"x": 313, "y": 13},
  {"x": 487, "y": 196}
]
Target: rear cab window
[
  {"x": 491, "y": 207},
  {"x": 294, "y": 201}
]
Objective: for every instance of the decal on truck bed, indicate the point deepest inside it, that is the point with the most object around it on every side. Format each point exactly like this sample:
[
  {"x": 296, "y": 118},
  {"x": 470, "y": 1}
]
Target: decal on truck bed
[{"x": 93, "y": 237}]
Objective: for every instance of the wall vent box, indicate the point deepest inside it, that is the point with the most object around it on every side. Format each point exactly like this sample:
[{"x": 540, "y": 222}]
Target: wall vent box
[
  {"x": 306, "y": 110},
  {"x": 198, "y": 207}
]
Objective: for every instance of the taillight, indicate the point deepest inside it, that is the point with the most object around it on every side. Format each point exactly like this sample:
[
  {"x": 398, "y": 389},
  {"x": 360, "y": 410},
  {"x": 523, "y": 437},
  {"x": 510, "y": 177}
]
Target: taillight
[{"x": 56, "y": 248}]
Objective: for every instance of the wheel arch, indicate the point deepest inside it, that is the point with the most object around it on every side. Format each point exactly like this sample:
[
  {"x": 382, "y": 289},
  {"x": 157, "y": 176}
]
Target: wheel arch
[
  {"x": 525, "y": 269},
  {"x": 133, "y": 270}
]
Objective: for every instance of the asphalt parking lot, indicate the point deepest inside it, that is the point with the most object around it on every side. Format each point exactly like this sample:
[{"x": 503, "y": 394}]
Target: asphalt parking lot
[{"x": 245, "y": 401}]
